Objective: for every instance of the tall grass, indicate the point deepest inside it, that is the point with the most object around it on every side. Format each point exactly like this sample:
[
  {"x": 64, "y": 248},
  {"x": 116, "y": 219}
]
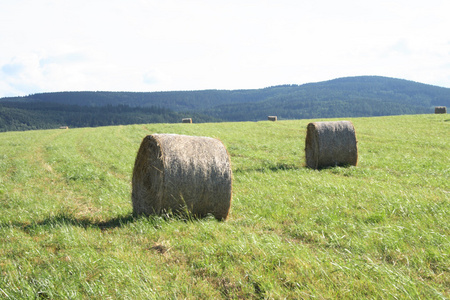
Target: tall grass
[{"x": 378, "y": 230}]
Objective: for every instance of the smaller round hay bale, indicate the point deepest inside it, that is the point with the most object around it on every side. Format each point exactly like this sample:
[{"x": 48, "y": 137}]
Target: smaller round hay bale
[
  {"x": 186, "y": 120},
  {"x": 330, "y": 144},
  {"x": 440, "y": 110},
  {"x": 179, "y": 174},
  {"x": 272, "y": 118}
]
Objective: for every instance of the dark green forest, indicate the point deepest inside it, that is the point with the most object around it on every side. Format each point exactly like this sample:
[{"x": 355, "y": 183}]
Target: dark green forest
[
  {"x": 44, "y": 115},
  {"x": 361, "y": 96}
]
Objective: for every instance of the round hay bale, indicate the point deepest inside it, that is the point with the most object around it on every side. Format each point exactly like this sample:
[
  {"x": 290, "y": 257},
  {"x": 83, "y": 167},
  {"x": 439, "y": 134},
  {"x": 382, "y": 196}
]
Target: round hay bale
[
  {"x": 330, "y": 144},
  {"x": 272, "y": 118},
  {"x": 179, "y": 174},
  {"x": 186, "y": 120},
  {"x": 440, "y": 110}
]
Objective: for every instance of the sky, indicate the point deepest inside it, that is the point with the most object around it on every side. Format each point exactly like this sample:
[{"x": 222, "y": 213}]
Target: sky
[{"x": 154, "y": 45}]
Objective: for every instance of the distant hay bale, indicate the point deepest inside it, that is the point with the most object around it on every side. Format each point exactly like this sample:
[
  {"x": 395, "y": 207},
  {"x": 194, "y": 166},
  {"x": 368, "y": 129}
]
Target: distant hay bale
[
  {"x": 330, "y": 144},
  {"x": 179, "y": 173},
  {"x": 272, "y": 118},
  {"x": 186, "y": 120},
  {"x": 440, "y": 110}
]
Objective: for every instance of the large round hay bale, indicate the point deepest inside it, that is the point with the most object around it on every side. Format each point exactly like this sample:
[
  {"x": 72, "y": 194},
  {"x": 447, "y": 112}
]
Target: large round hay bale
[
  {"x": 186, "y": 120},
  {"x": 330, "y": 144},
  {"x": 440, "y": 110},
  {"x": 179, "y": 173}
]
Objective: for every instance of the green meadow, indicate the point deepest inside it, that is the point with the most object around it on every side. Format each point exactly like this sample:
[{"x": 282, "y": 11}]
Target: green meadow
[{"x": 379, "y": 230}]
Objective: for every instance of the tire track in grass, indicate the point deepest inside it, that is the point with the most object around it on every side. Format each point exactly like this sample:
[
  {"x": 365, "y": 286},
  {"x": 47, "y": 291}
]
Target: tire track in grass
[
  {"x": 54, "y": 181},
  {"x": 34, "y": 155},
  {"x": 61, "y": 160},
  {"x": 71, "y": 201},
  {"x": 30, "y": 180},
  {"x": 106, "y": 176},
  {"x": 98, "y": 156}
]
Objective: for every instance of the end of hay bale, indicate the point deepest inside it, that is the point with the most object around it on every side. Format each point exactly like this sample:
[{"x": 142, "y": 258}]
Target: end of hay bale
[
  {"x": 272, "y": 118},
  {"x": 440, "y": 110},
  {"x": 330, "y": 144},
  {"x": 186, "y": 120},
  {"x": 182, "y": 174}
]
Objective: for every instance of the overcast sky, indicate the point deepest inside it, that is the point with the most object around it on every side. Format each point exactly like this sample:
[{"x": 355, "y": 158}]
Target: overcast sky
[{"x": 156, "y": 45}]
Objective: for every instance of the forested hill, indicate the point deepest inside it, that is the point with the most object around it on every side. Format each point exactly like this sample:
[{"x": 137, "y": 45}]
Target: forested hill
[
  {"x": 342, "y": 97},
  {"x": 361, "y": 96}
]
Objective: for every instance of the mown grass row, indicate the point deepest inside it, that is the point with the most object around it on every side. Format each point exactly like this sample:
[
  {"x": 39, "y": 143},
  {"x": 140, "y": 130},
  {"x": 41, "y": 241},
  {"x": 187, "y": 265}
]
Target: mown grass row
[{"x": 378, "y": 230}]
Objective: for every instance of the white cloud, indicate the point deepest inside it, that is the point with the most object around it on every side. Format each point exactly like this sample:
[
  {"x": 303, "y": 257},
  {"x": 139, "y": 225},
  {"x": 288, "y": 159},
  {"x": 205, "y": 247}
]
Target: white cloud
[{"x": 145, "y": 45}]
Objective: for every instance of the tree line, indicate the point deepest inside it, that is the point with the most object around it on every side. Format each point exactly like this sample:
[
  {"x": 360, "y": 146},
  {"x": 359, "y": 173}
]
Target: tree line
[
  {"x": 44, "y": 115},
  {"x": 361, "y": 96}
]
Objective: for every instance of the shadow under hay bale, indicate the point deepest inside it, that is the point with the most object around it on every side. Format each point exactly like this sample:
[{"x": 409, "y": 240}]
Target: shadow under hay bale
[
  {"x": 272, "y": 118},
  {"x": 186, "y": 120},
  {"x": 440, "y": 110},
  {"x": 330, "y": 144},
  {"x": 182, "y": 174}
]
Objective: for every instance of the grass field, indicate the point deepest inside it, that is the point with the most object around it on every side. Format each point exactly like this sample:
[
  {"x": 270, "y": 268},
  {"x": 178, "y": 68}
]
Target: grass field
[{"x": 376, "y": 231}]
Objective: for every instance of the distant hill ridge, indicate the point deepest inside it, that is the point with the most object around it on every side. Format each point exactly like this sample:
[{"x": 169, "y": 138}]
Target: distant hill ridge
[{"x": 359, "y": 96}]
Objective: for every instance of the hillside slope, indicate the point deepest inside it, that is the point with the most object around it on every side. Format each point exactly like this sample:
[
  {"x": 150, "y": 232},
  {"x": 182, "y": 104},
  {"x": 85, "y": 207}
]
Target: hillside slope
[
  {"x": 360, "y": 96},
  {"x": 344, "y": 97}
]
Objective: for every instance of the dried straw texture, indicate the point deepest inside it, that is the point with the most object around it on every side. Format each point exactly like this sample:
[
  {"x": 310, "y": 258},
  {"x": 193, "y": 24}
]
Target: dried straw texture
[
  {"x": 440, "y": 110},
  {"x": 186, "y": 120},
  {"x": 179, "y": 173},
  {"x": 272, "y": 118},
  {"x": 330, "y": 144}
]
